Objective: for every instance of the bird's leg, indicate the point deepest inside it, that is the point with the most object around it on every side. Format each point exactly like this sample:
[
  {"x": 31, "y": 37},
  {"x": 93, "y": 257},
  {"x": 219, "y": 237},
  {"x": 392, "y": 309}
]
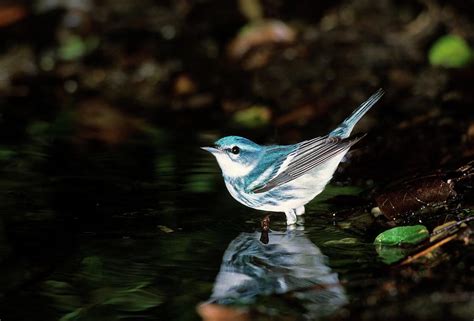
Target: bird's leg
[
  {"x": 290, "y": 217},
  {"x": 265, "y": 223},
  {"x": 299, "y": 210},
  {"x": 265, "y": 228}
]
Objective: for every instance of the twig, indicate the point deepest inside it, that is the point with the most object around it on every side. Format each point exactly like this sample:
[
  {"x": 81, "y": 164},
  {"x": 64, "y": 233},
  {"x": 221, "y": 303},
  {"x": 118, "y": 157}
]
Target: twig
[{"x": 428, "y": 250}]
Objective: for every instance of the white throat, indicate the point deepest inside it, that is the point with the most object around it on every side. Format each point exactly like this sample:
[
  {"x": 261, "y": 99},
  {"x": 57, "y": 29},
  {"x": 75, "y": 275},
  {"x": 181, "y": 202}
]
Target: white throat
[{"x": 231, "y": 167}]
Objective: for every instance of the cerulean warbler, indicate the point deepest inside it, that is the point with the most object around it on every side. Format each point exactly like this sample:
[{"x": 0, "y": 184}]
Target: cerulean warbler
[{"x": 283, "y": 178}]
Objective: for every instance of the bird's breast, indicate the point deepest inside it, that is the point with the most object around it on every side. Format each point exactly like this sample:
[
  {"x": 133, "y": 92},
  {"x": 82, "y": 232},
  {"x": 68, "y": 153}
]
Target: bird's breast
[{"x": 236, "y": 188}]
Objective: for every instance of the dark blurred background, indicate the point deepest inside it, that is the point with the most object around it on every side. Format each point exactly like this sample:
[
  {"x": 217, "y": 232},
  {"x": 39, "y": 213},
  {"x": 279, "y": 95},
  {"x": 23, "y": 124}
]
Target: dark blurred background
[
  {"x": 268, "y": 69},
  {"x": 116, "y": 69},
  {"x": 108, "y": 71}
]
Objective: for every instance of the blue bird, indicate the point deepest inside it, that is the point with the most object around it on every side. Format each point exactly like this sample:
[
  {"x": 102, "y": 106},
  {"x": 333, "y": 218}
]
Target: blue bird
[{"x": 284, "y": 178}]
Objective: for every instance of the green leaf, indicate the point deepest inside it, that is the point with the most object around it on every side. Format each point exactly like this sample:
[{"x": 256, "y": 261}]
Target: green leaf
[
  {"x": 253, "y": 117},
  {"x": 450, "y": 51},
  {"x": 403, "y": 235}
]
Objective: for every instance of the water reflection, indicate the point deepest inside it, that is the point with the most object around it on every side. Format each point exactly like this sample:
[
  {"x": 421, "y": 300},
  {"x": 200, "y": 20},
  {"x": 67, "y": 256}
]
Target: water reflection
[{"x": 288, "y": 263}]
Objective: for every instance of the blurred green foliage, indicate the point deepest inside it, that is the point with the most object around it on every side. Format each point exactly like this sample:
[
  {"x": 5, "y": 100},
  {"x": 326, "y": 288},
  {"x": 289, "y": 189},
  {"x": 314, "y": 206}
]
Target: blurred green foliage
[
  {"x": 74, "y": 47},
  {"x": 253, "y": 117},
  {"x": 450, "y": 51}
]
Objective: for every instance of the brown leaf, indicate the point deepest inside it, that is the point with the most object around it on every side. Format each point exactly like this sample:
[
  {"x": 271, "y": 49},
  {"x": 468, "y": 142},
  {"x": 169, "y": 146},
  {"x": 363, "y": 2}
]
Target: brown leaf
[
  {"x": 413, "y": 195},
  {"x": 258, "y": 34}
]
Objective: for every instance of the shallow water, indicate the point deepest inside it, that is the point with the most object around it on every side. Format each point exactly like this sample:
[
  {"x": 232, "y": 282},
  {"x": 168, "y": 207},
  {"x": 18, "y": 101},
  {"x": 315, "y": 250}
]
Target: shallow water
[{"x": 138, "y": 234}]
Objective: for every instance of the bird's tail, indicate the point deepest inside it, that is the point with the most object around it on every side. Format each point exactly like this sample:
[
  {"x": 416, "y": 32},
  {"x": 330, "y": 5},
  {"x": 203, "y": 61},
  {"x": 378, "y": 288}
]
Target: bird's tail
[{"x": 345, "y": 128}]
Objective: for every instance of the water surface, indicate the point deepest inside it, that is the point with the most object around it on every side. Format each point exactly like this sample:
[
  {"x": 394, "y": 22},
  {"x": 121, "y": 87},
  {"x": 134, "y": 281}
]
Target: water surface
[{"x": 144, "y": 233}]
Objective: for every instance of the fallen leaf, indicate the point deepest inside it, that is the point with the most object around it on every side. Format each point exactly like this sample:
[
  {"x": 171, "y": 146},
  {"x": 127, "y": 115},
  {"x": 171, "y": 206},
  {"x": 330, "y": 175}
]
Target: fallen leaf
[
  {"x": 260, "y": 33},
  {"x": 412, "y": 195},
  {"x": 403, "y": 235}
]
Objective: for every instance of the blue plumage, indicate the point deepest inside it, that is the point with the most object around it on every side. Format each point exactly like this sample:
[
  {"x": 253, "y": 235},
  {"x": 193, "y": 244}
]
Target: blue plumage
[{"x": 283, "y": 178}]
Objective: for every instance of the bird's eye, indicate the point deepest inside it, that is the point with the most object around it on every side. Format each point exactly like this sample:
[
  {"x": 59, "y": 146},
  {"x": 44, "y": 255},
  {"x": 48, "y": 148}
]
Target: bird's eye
[{"x": 235, "y": 150}]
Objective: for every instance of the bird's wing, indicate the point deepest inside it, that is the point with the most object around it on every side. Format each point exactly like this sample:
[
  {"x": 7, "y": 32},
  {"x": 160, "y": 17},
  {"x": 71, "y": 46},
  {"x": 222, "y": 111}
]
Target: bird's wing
[
  {"x": 270, "y": 164},
  {"x": 308, "y": 155}
]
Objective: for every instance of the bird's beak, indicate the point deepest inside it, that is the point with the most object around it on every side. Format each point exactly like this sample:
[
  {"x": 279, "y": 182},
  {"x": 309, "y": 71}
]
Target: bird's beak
[{"x": 211, "y": 150}]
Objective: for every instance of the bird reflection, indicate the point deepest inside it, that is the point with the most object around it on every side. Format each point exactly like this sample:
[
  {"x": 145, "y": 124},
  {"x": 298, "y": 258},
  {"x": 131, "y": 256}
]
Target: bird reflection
[{"x": 257, "y": 264}]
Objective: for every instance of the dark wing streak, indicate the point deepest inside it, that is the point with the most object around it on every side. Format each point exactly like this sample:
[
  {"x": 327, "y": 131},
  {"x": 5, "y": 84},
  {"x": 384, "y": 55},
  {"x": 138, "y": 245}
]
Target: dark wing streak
[
  {"x": 289, "y": 176},
  {"x": 311, "y": 144},
  {"x": 304, "y": 148},
  {"x": 320, "y": 149},
  {"x": 315, "y": 156},
  {"x": 334, "y": 146},
  {"x": 310, "y": 165}
]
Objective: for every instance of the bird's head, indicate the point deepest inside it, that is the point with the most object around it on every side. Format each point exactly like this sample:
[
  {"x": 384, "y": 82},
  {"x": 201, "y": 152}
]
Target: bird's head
[{"x": 237, "y": 156}]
